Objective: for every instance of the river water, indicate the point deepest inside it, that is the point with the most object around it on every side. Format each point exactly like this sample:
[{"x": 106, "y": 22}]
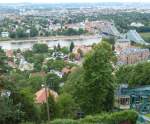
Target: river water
[{"x": 63, "y": 43}]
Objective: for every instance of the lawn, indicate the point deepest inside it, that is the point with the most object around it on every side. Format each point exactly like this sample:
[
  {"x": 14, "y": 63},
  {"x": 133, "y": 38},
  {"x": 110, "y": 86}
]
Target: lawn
[
  {"x": 4, "y": 39},
  {"x": 146, "y": 36},
  {"x": 147, "y": 115}
]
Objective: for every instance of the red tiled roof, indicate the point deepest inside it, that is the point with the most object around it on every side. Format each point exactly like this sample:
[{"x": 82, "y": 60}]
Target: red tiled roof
[
  {"x": 9, "y": 53},
  {"x": 41, "y": 95},
  {"x": 66, "y": 70}
]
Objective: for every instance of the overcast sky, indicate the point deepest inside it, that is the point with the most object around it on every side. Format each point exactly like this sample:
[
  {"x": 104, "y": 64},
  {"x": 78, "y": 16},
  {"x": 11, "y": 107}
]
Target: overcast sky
[{"x": 68, "y": 1}]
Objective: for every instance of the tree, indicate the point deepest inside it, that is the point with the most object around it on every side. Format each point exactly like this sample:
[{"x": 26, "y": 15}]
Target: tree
[
  {"x": 9, "y": 113},
  {"x": 66, "y": 106},
  {"x": 56, "y": 64},
  {"x": 92, "y": 86},
  {"x": 28, "y": 106},
  {"x": 81, "y": 31},
  {"x": 40, "y": 48},
  {"x": 53, "y": 81},
  {"x": 3, "y": 62},
  {"x": 74, "y": 85},
  {"x": 33, "y": 32},
  {"x": 98, "y": 80},
  {"x": 80, "y": 52},
  {"x": 28, "y": 54},
  {"x": 123, "y": 74},
  {"x": 35, "y": 82},
  {"x": 134, "y": 75},
  {"x": 17, "y": 106},
  {"x": 12, "y": 34},
  {"x": 52, "y": 109},
  {"x": 71, "y": 46},
  {"x": 20, "y": 33},
  {"x": 64, "y": 50},
  {"x": 71, "y": 56},
  {"x": 38, "y": 61},
  {"x": 140, "y": 75},
  {"x": 58, "y": 47}
]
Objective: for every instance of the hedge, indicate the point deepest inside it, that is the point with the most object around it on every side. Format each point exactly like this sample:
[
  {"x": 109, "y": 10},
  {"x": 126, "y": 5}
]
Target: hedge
[
  {"x": 123, "y": 117},
  {"x": 64, "y": 121}
]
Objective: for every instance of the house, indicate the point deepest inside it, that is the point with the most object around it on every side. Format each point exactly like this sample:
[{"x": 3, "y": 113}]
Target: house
[
  {"x": 137, "y": 98},
  {"x": 4, "y": 34},
  {"x": 9, "y": 53},
  {"x": 12, "y": 64},
  {"x": 76, "y": 26},
  {"x": 4, "y": 92},
  {"x": 25, "y": 66},
  {"x": 66, "y": 70},
  {"x": 95, "y": 26},
  {"x": 122, "y": 101},
  {"x": 77, "y": 56},
  {"x": 122, "y": 44},
  {"x": 133, "y": 55},
  {"x": 59, "y": 74},
  {"x": 82, "y": 48},
  {"x": 39, "y": 74},
  {"x": 43, "y": 94},
  {"x": 128, "y": 54}
]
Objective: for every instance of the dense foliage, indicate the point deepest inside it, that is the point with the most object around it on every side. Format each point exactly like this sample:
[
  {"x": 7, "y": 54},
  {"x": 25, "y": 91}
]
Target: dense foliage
[
  {"x": 127, "y": 117},
  {"x": 3, "y": 62},
  {"x": 88, "y": 89},
  {"x": 40, "y": 48},
  {"x": 92, "y": 86},
  {"x": 135, "y": 75}
]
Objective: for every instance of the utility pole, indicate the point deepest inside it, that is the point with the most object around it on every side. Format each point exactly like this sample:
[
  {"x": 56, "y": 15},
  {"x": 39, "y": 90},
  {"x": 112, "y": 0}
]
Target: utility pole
[{"x": 47, "y": 105}]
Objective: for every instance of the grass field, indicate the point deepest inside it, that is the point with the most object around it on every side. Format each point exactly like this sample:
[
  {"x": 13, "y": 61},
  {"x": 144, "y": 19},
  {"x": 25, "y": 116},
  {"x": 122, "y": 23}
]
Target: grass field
[
  {"x": 4, "y": 39},
  {"x": 146, "y": 36},
  {"x": 147, "y": 115}
]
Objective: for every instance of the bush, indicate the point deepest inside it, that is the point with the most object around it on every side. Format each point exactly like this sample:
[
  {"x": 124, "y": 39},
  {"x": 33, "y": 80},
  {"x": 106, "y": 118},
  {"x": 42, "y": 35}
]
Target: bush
[
  {"x": 129, "y": 117},
  {"x": 64, "y": 121},
  {"x": 124, "y": 117},
  {"x": 27, "y": 123}
]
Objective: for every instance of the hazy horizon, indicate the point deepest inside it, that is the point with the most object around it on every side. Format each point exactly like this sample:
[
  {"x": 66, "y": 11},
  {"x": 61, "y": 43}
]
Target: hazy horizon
[{"x": 73, "y": 1}]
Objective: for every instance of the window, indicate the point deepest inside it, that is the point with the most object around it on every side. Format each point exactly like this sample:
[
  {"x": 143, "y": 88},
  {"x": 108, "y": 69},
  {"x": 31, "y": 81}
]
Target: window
[{"x": 124, "y": 101}]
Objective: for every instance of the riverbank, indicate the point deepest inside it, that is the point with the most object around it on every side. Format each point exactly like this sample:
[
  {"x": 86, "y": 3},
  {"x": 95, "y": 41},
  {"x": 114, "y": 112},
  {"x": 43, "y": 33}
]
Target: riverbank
[
  {"x": 52, "y": 38},
  {"x": 63, "y": 41}
]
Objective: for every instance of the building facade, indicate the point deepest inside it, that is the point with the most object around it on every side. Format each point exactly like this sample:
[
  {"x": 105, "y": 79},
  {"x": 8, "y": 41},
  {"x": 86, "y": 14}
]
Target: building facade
[
  {"x": 133, "y": 55},
  {"x": 133, "y": 98},
  {"x": 127, "y": 54}
]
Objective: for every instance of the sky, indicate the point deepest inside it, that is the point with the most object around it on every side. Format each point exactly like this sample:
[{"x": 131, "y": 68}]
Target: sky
[{"x": 68, "y": 1}]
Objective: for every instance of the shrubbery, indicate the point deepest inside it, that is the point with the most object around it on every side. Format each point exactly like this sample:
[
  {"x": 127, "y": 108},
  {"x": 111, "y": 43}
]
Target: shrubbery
[
  {"x": 113, "y": 118},
  {"x": 124, "y": 117},
  {"x": 64, "y": 121}
]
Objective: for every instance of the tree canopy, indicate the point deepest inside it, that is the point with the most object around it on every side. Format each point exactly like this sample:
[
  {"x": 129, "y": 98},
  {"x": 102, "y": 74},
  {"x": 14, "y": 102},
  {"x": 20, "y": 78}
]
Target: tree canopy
[
  {"x": 93, "y": 86},
  {"x": 135, "y": 75},
  {"x": 40, "y": 48}
]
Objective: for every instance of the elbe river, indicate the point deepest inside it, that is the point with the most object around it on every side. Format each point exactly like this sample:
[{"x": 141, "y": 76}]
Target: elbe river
[{"x": 6, "y": 45}]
